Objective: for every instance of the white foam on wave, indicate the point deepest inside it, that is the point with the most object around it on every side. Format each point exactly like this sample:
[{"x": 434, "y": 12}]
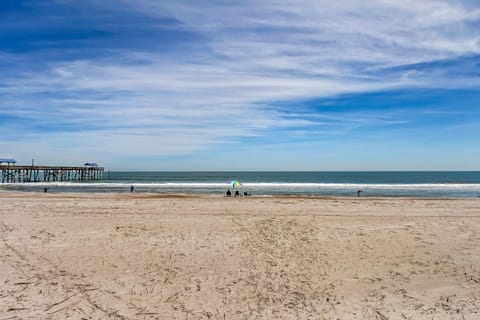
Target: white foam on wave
[{"x": 262, "y": 185}]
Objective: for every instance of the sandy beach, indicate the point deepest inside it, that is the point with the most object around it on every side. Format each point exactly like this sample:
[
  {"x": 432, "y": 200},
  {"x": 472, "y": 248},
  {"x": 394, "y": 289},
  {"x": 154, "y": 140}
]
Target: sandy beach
[{"x": 94, "y": 256}]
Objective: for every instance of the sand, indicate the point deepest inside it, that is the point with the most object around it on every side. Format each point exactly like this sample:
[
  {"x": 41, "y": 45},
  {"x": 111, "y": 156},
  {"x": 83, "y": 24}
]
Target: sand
[{"x": 92, "y": 256}]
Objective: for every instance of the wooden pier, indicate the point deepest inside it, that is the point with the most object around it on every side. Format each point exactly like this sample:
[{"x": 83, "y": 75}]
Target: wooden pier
[{"x": 21, "y": 174}]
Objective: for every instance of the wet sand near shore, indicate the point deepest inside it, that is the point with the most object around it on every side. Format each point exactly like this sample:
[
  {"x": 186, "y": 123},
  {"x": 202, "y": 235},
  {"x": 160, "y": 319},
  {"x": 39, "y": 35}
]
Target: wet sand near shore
[{"x": 110, "y": 256}]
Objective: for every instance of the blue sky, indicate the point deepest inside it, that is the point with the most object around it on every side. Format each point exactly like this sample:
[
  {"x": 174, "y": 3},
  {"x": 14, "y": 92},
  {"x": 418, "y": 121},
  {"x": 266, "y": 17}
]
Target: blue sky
[{"x": 241, "y": 85}]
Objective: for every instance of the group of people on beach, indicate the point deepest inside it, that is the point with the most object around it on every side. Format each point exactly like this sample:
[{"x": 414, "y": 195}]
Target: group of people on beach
[{"x": 237, "y": 194}]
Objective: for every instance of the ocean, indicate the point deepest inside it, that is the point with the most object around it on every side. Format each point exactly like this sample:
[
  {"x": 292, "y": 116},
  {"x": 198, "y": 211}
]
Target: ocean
[{"x": 458, "y": 184}]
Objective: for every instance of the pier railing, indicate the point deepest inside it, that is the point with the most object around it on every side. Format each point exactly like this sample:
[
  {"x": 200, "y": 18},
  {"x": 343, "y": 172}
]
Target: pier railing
[{"x": 20, "y": 174}]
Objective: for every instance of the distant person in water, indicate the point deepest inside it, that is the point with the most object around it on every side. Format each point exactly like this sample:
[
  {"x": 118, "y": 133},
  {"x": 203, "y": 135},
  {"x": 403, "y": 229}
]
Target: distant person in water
[
  {"x": 358, "y": 193},
  {"x": 237, "y": 193},
  {"x": 132, "y": 189},
  {"x": 229, "y": 193}
]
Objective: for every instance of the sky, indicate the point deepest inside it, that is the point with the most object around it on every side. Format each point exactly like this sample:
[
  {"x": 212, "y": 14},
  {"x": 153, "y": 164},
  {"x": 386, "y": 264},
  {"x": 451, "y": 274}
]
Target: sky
[{"x": 241, "y": 85}]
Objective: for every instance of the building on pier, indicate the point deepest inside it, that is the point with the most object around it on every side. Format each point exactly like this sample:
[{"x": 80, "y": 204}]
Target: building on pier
[{"x": 7, "y": 161}]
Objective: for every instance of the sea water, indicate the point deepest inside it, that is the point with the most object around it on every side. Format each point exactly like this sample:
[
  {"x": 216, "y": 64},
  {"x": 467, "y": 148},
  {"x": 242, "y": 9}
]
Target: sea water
[{"x": 406, "y": 184}]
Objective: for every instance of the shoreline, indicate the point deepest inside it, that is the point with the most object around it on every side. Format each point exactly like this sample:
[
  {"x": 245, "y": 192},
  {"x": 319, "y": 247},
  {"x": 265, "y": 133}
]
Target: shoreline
[{"x": 147, "y": 195}]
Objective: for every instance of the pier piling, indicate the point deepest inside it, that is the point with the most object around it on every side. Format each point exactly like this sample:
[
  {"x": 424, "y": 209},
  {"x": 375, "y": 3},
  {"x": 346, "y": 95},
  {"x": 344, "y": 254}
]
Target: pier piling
[{"x": 21, "y": 174}]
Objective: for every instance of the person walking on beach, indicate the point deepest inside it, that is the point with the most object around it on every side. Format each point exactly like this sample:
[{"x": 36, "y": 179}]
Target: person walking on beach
[{"x": 132, "y": 189}]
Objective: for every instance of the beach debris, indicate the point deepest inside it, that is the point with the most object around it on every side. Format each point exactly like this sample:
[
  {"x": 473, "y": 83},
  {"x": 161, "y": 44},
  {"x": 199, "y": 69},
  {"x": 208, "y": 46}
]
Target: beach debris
[
  {"x": 59, "y": 302},
  {"x": 382, "y": 316}
]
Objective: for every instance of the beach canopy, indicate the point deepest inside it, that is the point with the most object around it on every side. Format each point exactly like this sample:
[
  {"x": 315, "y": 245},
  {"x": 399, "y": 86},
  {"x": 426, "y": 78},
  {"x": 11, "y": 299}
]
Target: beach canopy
[
  {"x": 235, "y": 183},
  {"x": 7, "y": 161}
]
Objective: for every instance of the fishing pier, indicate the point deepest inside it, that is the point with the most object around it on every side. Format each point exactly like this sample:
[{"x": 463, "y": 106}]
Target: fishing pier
[{"x": 12, "y": 173}]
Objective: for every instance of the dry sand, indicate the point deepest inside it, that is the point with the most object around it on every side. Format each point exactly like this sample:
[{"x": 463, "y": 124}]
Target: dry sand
[{"x": 149, "y": 257}]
